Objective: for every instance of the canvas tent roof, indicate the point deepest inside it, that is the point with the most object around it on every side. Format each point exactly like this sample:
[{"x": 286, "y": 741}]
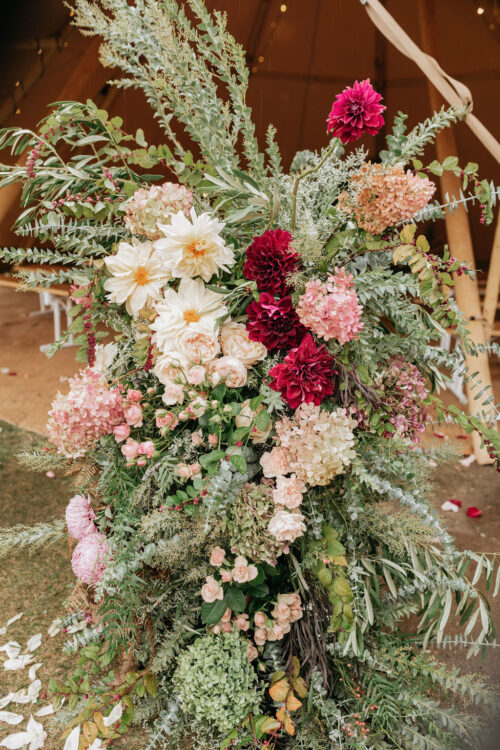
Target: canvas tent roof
[{"x": 301, "y": 53}]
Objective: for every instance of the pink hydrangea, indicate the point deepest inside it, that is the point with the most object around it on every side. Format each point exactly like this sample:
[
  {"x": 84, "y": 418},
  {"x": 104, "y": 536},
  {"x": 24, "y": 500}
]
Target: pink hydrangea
[
  {"x": 382, "y": 195},
  {"x": 80, "y": 517},
  {"x": 331, "y": 309},
  {"x": 89, "y": 411},
  {"x": 88, "y": 558}
]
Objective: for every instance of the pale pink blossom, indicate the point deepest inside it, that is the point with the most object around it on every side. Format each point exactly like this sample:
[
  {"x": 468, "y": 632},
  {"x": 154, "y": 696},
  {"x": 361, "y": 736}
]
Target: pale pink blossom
[
  {"x": 252, "y": 652},
  {"x": 133, "y": 415},
  {"x": 80, "y": 517},
  {"x": 226, "y": 617},
  {"x": 130, "y": 449},
  {"x": 259, "y": 619},
  {"x": 226, "y": 576},
  {"x": 286, "y": 527},
  {"x": 134, "y": 395},
  {"x": 288, "y": 492},
  {"x": 88, "y": 558},
  {"x": 166, "y": 419},
  {"x": 242, "y": 571},
  {"x": 197, "y": 437},
  {"x": 226, "y": 627},
  {"x": 236, "y": 343},
  {"x": 196, "y": 375},
  {"x": 275, "y": 463},
  {"x": 195, "y": 469},
  {"x": 197, "y": 407},
  {"x": 211, "y": 590},
  {"x": 198, "y": 345},
  {"x": 217, "y": 556},
  {"x": 213, "y": 439},
  {"x": 229, "y": 370},
  {"x": 173, "y": 394},
  {"x": 121, "y": 432},
  {"x": 184, "y": 471},
  {"x": 260, "y": 636},
  {"x": 242, "y": 622},
  {"x": 147, "y": 448}
]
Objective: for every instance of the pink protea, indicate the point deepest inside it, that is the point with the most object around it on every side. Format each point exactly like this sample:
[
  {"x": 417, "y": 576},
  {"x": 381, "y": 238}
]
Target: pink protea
[
  {"x": 331, "y": 309},
  {"x": 80, "y": 517},
  {"x": 355, "y": 111},
  {"x": 88, "y": 558},
  {"x": 89, "y": 411}
]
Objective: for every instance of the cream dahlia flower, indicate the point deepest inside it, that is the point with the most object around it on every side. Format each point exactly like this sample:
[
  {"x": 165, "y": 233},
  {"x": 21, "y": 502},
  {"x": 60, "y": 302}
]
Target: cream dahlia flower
[
  {"x": 194, "y": 247},
  {"x": 192, "y": 306},
  {"x": 137, "y": 276}
]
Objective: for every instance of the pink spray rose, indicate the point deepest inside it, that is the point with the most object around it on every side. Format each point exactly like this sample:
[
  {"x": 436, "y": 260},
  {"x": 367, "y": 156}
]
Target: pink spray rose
[
  {"x": 130, "y": 449},
  {"x": 211, "y": 590},
  {"x": 121, "y": 432},
  {"x": 147, "y": 448},
  {"x": 217, "y": 556}
]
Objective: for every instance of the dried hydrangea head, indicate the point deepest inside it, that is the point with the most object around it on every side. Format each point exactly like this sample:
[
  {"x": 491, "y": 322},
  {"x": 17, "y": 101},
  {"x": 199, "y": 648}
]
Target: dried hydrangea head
[
  {"x": 248, "y": 520},
  {"x": 381, "y": 196},
  {"x": 318, "y": 445},
  {"x": 149, "y": 207},
  {"x": 89, "y": 411}
]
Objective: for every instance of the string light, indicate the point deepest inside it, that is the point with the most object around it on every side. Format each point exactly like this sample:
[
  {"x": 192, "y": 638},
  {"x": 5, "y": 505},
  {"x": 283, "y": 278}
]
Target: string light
[
  {"x": 18, "y": 111},
  {"x": 283, "y": 8},
  {"x": 480, "y": 11},
  {"x": 260, "y": 59}
]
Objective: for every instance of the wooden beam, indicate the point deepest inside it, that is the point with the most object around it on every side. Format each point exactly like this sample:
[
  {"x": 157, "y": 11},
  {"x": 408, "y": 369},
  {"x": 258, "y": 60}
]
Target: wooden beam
[
  {"x": 380, "y": 81},
  {"x": 492, "y": 292},
  {"x": 459, "y": 237}
]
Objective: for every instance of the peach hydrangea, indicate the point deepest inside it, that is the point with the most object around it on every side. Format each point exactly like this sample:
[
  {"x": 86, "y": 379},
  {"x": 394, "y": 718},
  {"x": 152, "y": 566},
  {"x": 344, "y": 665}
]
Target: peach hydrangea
[
  {"x": 288, "y": 492},
  {"x": 383, "y": 195}
]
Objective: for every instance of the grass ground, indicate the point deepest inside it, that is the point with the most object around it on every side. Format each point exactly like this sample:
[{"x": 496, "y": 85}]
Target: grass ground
[{"x": 38, "y": 584}]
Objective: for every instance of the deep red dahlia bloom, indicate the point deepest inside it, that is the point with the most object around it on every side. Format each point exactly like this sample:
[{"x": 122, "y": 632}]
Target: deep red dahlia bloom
[
  {"x": 274, "y": 322},
  {"x": 355, "y": 111},
  {"x": 305, "y": 376},
  {"x": 269, "y": 261}
]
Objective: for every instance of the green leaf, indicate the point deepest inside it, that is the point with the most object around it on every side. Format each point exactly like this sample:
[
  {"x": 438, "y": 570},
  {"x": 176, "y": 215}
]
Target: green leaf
[
  {"x": 139, "y": 137},
  {"x": 212, "y": 612},
  {"x": 235, "y": 600},
  {"x": 239, "y": 462},
  {"x": 262, "y": 420},
  {"x": 450, "y": 163},
  {"x": 335, "y": 548},
  {"x": 341, "y": 587}
]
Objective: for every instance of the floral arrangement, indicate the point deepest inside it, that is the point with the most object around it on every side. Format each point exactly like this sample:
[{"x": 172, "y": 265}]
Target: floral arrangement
[{"x": 259, "y": 361}]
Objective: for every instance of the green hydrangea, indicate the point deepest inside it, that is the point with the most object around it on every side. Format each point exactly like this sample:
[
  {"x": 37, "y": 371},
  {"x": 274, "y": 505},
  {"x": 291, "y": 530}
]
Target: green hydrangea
[
  {"x": 248, "y": 520},
  {"x": 215, "y": 681}
]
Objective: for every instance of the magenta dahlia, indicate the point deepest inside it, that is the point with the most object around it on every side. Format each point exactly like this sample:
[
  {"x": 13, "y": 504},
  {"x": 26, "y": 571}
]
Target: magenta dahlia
[
  {"x": 306, "y": 375},
  {"x": 355, "y": 111},
  {"x": 274, "y": 322},
  {"x": 270, "y": 260}
]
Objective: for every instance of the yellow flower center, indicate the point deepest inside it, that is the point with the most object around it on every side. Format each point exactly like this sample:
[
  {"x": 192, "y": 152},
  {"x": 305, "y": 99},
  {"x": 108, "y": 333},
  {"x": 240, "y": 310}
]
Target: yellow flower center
[
  {"x": 191, "y": 316},
  {"x": 198, "y": 248},
  {"x": 141, "y": 276}
]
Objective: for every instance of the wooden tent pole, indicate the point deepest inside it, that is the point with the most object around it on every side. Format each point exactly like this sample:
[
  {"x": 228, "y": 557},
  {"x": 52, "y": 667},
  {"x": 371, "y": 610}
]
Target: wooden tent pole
[
  {"x": 459, "y": 238},
  {"x": 493, "y": 282}
]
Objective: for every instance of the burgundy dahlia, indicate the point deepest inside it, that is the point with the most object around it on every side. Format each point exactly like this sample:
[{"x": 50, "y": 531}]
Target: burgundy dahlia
[
  {"x": 274, "y": 322},
  {"x": 355, "y": 111},
  {"x": 270, "y": 260},
  {"x": 305, "y": 376}
]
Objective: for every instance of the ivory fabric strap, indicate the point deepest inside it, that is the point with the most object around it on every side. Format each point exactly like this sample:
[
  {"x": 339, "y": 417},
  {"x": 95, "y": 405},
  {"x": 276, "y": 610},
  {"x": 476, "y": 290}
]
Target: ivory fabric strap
[{"x": 453, "y": 91}]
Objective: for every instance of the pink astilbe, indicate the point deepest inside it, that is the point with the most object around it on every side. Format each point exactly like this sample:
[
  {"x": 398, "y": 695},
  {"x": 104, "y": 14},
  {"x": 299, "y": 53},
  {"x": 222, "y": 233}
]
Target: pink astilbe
[
  {"x": 381, "y": 196},
  {"x": 80, "y": 517},
  {"x": 331, "y": 309},
  {"x": 355, "y": 111},
  {"x": 88, "y": 558},
  {"x": 149, "y": 207},
  {"x": 89, "y": 411}
]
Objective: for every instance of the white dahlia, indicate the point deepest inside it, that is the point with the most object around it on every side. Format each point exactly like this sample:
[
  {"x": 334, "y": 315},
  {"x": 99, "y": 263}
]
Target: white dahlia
[
  {"x": 137, "y": 276},
  {"x": 194, "y": 247},
  {"x": 191, "y": 308}
]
